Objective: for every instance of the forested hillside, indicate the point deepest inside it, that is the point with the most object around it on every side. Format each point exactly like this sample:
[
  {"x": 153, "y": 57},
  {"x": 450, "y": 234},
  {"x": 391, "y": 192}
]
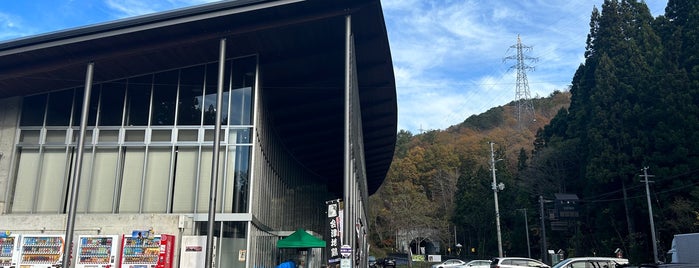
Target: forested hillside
[{"x": 632, "y": 104}]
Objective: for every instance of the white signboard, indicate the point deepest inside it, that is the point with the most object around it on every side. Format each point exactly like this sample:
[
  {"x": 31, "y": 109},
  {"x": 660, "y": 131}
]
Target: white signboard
[{"x": 345, "y": 263}]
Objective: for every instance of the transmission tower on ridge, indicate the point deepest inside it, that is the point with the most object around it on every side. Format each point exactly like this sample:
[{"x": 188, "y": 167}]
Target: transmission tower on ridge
[{"x": 524, "y": 110}]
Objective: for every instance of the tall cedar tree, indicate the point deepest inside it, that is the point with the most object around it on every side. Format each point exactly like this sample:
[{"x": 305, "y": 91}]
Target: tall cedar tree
[{"x": 634, "y": 104}]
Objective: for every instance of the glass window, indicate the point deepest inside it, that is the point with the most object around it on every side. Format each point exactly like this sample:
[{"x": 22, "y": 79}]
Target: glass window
[
  {"x": 52, "y": 180},
  {"x": 161, "y": 135},
  {"x": 112, "y": 104},
  {"x": 104, "y": 178},
  {"x": 240, "y": 161},
  {"x": 78, "y": 104},
  {"x": 211, "y": 91},
  {"x": 76, "y": 136},
  {"x": 186, "y": 175},
  {"x": 532, "y": 264},
  {"x": 146, "y": 176},
  {"x": 188, "y": 135},
  {"x": 157, "y": 180},
  {"x": 600, "y": 264},
  {"x": 33, "y": 109},
  {"x": 205, "y": 180},
  {"x": 135, "y": 135},
  {"x": 240, "y": 135},
  {"x": 26, "y": 178},
  {"x": 578, "y": 264},
  {"x": 56, "y": 136},
  {"x": 85, "y": 180},
  {"x": 132, "y": 179},
  {"x": 109, "y": 136},
  {"x": 243, "y": 79},
  {"x": 138, "y": 100},
  {"x": 233, "y": 241},
  {"x": 59, "y": 108},
  {"x": 191, "y": 96},
  {"x": 164, "y": 98},
  {"x": 209, "y": 134},
  {"x": 29, "y": 136},
  {"x": 241, "y": 106}
]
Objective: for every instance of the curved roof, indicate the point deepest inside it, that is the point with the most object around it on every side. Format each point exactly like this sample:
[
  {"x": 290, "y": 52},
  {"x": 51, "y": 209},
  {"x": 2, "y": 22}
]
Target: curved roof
[{"x": 301, "y": 48}]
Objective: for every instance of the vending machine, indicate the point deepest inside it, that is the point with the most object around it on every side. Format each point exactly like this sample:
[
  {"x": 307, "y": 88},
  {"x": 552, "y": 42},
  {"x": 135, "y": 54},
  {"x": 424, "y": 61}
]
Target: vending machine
[
  {"x": 193, "y": 251},
  {"x": 166, "y": 256},
  {"x": 97, "y": 251},
  {"x": 146, "y": 251},
  {"x": 9, "y": 250},
  {"x": 41, "y": 251}
]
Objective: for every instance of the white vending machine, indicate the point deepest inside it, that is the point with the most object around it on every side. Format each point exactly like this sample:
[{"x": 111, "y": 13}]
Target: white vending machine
[
  {"x": 97, "y": 251},
  {"x": 9, "y": 250},
  {"x": 193, "y": 251},
  {"x": 41, "y": 251}
]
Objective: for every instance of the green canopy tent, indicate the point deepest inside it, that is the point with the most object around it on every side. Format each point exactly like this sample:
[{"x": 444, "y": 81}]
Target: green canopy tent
[{"x": 301, "y": 239}]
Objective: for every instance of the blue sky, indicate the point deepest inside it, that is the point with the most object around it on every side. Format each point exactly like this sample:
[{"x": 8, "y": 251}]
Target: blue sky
[{"x": 447, "y": 54}]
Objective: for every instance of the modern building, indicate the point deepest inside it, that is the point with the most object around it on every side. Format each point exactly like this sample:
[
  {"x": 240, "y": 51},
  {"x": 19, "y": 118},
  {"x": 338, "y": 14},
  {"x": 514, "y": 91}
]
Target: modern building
[{"x": 294, "y": 99}]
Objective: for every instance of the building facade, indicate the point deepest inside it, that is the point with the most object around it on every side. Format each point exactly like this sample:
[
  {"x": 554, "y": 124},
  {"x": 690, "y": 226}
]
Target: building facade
[{"x": 124, "y": 126}]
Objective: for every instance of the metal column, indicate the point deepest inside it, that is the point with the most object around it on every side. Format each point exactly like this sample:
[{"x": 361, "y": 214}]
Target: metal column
[
  {"x": 348, "y": 225},
  {"x": 70, "y": 221},
  {"x": 214, "y": 161}
]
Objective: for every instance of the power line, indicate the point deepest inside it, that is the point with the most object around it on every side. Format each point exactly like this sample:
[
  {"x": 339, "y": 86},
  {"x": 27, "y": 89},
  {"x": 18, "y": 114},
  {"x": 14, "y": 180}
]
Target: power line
[{"x": 678, "y": 188}]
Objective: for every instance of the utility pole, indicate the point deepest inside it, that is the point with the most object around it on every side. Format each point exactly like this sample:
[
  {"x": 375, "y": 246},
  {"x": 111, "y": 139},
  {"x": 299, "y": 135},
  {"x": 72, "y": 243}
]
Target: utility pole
[
  {"x": 543, "y": 229},
  {"x": 456, "y": 242},
  {"x": 525, "y": 107},
  {"x": 495, "y": 194},
  {"x": 526, "y": 229},
  {"x": 650, "y": 214}
]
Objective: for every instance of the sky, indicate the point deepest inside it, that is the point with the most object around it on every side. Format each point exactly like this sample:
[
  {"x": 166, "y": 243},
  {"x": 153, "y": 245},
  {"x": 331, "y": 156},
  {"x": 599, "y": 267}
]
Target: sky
[{"x": 449, "y": 56}]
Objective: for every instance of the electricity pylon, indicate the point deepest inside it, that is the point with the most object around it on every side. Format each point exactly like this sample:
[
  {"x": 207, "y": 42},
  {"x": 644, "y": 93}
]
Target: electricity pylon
[{"x": 524, "y": 110}]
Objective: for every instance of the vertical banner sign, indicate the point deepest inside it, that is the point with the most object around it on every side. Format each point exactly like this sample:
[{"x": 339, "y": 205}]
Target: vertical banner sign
[
  {"x": 335, "y": 234},
  {"x": 166, "y": 252}
]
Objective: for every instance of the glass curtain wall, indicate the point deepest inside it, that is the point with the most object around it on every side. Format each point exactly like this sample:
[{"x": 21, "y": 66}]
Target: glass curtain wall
[
  {"x": 286, "y": 195},
  {"x": 148, "y": 144}
]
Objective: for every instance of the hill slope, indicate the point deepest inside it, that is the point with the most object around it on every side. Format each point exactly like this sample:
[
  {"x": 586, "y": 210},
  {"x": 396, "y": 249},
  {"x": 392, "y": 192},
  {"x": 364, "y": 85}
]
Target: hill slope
[{"x": 421, "y": 184}]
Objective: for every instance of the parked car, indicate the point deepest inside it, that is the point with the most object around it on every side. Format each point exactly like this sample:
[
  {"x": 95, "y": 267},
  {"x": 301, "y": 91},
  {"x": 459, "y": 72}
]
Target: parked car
[
  {"x": 516, "y": 262},
  {"x": 372, "y": 261},
  {"x": 584, "y": 262},
  {"x": 478, "y": 264},
  {"x": 387, "y": 262},
  {"x": 451, "y": 263},
  {"x": 399, "y": 258}
]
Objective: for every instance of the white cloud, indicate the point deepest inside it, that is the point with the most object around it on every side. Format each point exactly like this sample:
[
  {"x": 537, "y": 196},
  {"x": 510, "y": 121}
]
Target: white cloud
[
  {"x": 448, "y": 55},
  {"x": 131, "y": 8},
  {"x": 11, "y": 27}
]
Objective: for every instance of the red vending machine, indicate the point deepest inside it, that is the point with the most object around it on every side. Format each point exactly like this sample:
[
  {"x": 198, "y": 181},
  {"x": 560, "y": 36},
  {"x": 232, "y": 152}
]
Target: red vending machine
[
  {"x": 143, "y": 250},
  {"x": 97, "y": 251},
  {"x": 41, "y": 251},
  {"x": 9, "y": 250},
  {"x": 166, "y": 256}
]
